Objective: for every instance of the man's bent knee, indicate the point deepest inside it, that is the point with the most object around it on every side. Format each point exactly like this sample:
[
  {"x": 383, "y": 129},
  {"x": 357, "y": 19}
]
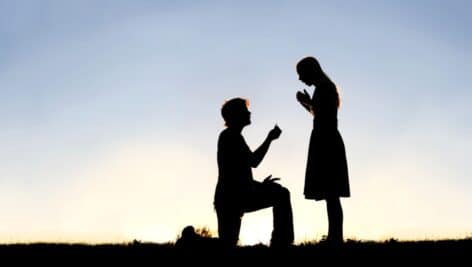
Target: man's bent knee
[{"x": 284, "y": 193}]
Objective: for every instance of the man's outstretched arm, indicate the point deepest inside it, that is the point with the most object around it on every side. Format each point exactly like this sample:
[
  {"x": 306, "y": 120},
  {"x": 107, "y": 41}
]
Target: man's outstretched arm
[{"x": 261, "y": 151}]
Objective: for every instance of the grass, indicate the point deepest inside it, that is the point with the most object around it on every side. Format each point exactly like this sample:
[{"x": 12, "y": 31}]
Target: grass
[{"x": 207, "y": 250}]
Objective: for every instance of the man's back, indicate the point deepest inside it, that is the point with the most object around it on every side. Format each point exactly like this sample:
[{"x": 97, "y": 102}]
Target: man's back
[{"x": 234, "y": 168}]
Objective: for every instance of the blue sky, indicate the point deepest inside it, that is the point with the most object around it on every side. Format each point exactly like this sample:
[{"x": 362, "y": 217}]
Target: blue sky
[{"x": 109, "y": 114}]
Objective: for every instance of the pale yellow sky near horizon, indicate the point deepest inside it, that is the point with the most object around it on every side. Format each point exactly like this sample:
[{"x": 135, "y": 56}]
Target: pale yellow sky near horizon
[{"x": 137, "y": 202}]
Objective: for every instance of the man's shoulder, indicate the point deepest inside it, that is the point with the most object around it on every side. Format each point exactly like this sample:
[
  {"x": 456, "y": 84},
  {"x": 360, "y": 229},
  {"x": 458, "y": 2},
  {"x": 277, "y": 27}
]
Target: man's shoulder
[
  {"x": 229, "y": 133},
  {"x": 229, "y": 137}
]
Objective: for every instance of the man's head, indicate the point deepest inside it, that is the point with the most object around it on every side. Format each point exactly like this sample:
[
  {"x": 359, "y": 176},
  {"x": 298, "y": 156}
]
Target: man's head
[{"x": 235, "y": 112}]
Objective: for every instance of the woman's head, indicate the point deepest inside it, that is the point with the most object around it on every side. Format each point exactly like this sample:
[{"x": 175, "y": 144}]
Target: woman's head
[
  {"x": 309, "y": 71},
  {"x": 235, "y": 112}
]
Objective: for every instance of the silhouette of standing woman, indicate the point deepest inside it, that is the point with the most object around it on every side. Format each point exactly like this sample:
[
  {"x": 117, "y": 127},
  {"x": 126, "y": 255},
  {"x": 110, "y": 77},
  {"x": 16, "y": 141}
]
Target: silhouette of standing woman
[{"x": 326, "y": 175}]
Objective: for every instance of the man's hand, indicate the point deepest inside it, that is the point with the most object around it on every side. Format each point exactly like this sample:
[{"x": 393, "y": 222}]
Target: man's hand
[
  {"x": 269, "y": 179},
  {"x": 275, "y": 132}
]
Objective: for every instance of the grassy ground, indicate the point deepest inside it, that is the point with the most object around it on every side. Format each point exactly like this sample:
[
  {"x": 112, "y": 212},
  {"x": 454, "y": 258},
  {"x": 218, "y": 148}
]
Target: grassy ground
[{"x": 209, "y": 251}]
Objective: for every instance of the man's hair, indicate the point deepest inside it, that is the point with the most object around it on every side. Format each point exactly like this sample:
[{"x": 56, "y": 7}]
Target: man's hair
[{"x": 231, "y": 109}]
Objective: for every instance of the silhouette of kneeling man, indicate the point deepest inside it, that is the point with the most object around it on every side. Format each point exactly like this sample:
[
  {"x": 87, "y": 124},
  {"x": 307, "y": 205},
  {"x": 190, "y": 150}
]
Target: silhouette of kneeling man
[{"x": 237, "y": 192}]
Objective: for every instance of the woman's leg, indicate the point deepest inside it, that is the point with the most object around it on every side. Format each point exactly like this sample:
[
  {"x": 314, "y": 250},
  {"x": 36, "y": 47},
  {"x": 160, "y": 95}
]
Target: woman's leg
[{"x": 335, "y": 220}]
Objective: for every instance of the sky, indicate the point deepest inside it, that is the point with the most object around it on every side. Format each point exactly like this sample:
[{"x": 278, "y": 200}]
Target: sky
[{"x": 110, "y": 114}]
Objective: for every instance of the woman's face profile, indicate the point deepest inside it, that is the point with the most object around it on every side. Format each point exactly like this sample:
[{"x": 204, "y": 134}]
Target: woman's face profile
[{"x": 305, "y": 77}]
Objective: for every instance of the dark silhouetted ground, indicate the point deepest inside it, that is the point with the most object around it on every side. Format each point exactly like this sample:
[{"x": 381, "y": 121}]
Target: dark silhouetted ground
[{"x": 209, "y": 251}]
